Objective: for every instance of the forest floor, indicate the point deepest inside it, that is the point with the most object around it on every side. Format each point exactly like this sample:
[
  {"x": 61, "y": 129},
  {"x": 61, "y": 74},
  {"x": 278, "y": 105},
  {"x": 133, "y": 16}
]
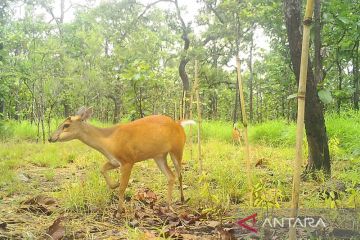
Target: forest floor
[{"x": 56, "y": 190}]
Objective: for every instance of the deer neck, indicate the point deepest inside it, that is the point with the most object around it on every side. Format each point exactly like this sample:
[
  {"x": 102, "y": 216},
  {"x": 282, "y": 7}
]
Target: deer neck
[{"x": 95, "y": 137}]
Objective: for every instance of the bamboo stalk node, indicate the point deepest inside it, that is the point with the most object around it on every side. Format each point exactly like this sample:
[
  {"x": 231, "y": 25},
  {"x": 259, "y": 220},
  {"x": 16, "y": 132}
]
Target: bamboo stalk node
[
  {"x": 301, "y": 95},
  {"x": 308, "y": 21}
]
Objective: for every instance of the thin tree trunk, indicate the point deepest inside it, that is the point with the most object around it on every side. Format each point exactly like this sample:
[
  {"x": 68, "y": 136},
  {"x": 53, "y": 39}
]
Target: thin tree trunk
[
  {"x": 245, "y": 123},
  {"x": 236, "y": 106},
  {"x": 356, "y": 75},
  {"x": 338, "y": 64},
  {"x": 141, "y": 104},
  {"x": 184, "y": 59},
  {"x": 251, "y": 79},
  {"x": 66, "y": 109},
  {"x": 117, "y": 105},
  {"x": 2, "y": 109}
]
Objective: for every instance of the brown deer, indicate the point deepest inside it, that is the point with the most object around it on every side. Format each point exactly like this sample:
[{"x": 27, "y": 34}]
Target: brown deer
[
  {"x": 152, "y": 137},
  {"x": 237, "y": 136}
]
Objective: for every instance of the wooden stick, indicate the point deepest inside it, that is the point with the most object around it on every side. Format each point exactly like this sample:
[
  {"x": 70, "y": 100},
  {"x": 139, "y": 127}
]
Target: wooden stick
[
  {"x": 245, "y": 123},
  {"x": 196, "y": 86},
  {"x": 191, "y": 117},
  {"x": 300, "y": 116}
]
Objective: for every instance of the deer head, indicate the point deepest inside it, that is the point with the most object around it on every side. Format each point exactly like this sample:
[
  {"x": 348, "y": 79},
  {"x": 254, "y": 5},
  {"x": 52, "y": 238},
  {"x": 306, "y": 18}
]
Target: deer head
[{"x": 72, "y": 126}]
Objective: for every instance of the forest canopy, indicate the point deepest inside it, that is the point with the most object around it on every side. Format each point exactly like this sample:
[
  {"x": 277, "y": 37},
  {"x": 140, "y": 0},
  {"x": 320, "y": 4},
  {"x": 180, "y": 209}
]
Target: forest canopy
[{"x": 122, "y": 58}]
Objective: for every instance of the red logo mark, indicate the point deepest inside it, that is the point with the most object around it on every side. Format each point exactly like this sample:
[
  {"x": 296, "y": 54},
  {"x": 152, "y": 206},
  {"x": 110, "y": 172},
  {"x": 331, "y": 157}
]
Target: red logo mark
[{"x": 242, "y": 223}]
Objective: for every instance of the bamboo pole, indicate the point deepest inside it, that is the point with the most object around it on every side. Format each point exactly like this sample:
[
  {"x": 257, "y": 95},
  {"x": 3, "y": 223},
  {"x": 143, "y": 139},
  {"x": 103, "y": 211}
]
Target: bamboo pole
[
  {"x": 191, "y": 117},
  {"x": 245, "y": 123},
  {"x": 196, "y": 87},
  {"x": 300, "y": 116}
]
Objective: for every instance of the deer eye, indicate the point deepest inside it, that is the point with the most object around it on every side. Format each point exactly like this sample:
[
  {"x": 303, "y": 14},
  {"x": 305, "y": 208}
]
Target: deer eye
[{"x": 66, "y": 125}]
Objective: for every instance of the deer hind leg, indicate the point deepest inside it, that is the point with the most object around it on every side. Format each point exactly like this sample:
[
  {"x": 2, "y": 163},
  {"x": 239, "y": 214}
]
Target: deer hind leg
[
  {"x": 177, "y": 158},
  {"x": 164, "y": 167},
  {"x": 124, "y": 180},
  {"x": 104, "y": 171}
]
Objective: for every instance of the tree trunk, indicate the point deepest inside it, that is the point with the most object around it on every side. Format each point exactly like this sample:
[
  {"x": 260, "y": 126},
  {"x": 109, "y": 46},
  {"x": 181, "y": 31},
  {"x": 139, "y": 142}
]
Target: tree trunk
[
  {"x": 117, "y": 105},
  {"x": 184, "y": 58},
  {"x": 319, "y": 158},
  {"x": 236, "y": 102},
  {"x": 66, "y": 109},
  {"x": 141, "y": 103},
  {"x": 2, "y": 109},
  {"x": 338, "y": 64},
  {"x": 251, "y": 79},
  {"x": 317, "y": 42},
  {"x": 356, "y": 75}
]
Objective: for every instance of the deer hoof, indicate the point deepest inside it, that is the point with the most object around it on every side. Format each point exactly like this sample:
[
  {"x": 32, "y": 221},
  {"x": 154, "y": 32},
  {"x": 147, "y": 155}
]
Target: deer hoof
[{"x": 119, "y": 212}]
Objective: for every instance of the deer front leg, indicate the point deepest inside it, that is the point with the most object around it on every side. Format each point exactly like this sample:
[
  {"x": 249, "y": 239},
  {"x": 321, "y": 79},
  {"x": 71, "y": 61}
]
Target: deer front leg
[
  {"x": 107, "y": 167},
  {"x": 124, "y": 180}
]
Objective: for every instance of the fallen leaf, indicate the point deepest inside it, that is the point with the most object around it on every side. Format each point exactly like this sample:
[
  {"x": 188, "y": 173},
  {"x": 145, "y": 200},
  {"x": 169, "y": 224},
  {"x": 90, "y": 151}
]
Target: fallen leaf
[
  {"x": 40, "y": 204},
  {"x": 38, "y": 209},
  {"x": 56, "y": 231},
  {"x": 40, "y": 199},
  {"x": 189, "y": 218},
  {"x": 146, "y": 196},
  {"x": 213, "y": 224}
]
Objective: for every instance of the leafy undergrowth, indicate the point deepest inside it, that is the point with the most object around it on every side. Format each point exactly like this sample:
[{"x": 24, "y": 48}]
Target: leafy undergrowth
[{"x": 82, "y": 206}]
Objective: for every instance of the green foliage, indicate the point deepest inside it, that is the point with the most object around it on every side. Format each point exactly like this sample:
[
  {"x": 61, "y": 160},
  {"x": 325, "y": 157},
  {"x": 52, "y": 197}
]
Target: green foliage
[
  {"x": 273, "y": 133},
  {"x": 346, "y": 129},
  {"x": 216, "y": 130},
  {"x": 325, "y": 96},
  {"x": 52, "y": 157}
]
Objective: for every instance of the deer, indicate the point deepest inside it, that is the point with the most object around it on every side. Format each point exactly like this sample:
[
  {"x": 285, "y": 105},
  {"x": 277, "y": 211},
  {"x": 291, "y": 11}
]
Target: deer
[
  {"x": 123, "y": 145},
  {"x": 236, "y": 135}
]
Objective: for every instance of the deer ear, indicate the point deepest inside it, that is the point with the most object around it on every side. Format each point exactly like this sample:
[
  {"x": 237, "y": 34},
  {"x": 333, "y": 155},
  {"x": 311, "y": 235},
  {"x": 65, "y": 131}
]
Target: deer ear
[
  {"x": 86, "y": 114},
  {"x": 81, "y": 111}
]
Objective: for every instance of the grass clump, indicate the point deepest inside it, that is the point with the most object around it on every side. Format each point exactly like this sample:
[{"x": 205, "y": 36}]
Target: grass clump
[
  {"x": 86, "y": 194},
  {"x": 11, "y": 159},
  {"x": 216, "y": 130},
  {"x": 274, "y": 133},
  {"x": 346, "y": 129},
  {"x": 51, "y": 156}
]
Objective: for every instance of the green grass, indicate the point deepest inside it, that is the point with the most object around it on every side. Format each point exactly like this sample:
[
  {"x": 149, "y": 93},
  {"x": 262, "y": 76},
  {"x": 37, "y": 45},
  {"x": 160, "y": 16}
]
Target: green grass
[
  {"x": 343, "y": 132},
  {"x": 346, "y": 129},
  {"x": 71, "y": 171},
  {"x": 86, "y": 194},
  {"x": 274, "y": 133}
]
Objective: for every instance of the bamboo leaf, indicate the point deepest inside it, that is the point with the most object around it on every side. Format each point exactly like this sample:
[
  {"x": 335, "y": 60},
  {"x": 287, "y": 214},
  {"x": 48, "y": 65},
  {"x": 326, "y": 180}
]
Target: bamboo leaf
[{"x": 292, "y": 96}]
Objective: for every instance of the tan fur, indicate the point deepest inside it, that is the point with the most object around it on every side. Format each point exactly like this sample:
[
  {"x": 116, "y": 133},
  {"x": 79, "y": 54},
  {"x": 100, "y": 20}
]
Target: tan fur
[
  {"x": 125, "y": 144},
  {"x": 236, "y": 136}
]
